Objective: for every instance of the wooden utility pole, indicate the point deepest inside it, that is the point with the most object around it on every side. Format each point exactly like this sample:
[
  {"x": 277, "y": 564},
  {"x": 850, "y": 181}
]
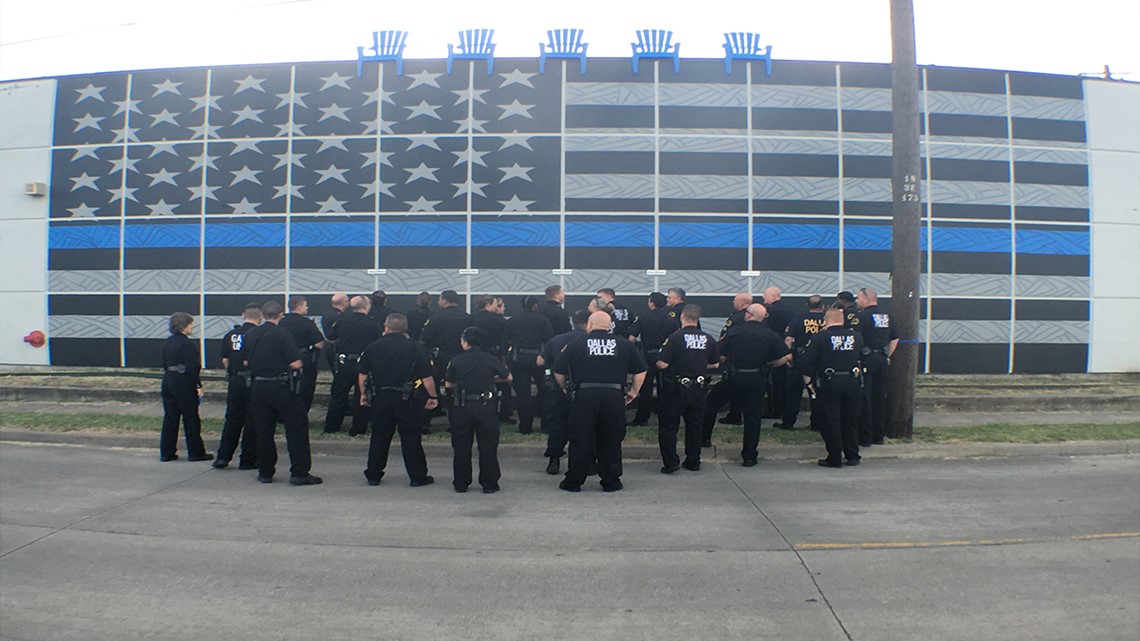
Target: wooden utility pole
[{"x": 906, "y": 181}]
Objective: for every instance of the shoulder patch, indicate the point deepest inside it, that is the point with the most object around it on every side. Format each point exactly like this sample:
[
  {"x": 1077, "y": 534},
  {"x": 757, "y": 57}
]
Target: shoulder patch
[
  {"x": 672, "y": 314},
  {"x": 728, "y": 323}
]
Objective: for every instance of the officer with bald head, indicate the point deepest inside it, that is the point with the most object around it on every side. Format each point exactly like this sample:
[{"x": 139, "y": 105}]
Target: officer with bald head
[{"x": 879, "y": 342}]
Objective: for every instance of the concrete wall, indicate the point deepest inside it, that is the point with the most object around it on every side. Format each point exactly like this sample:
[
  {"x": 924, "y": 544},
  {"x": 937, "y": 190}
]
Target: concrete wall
[
  {"x": 26, "y": 119},
  {"x": 1114, "y": 165}
]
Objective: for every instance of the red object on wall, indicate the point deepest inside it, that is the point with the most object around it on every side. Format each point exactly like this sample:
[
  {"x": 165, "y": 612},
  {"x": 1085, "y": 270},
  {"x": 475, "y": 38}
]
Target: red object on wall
[{"x": 36, "y": 339}]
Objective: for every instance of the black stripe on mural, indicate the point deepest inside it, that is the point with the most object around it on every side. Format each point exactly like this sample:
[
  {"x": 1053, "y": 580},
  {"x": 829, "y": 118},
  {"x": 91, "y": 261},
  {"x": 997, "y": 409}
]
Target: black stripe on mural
[
  {"x": 1052, "y": 265},
  {"x": 83, "y": 259},
  {"x": 969, "y": 309},
  {"x": 866, "y": 260},
  {"x": 1036, "y": 84},
  {"x": 970, "y": 263},
  {"x": 773, "y": 206},
  {"x": 609, "y": 162},
  {"x": 955, "y": 210},
  {"x": 854, "y": 74},
  {"x": 787, "y": 72},
  {"x": 232, "y": 304},
  {"x": 686, "y": 258},
  {"x": 867, "y": 166},
  {"x": 159, "y": 304},
  {"x": 1044, "y": 129},
  {"x": 780, "y": 118},
  {"x": 609, "y": 204},
  {"x": 514, "y": 257},
  {"x": 1051, "y": 173},
  {"x": 711, "y": 206},
  {"x": 607, "y": 70},
  {"x": 145, "y": 352},
  {"x": 1037, "y": 358},
  {"x": 967, "y": 80},
  {"x": 866, "y": 208},
  {"x": 609, "y": 258},
  {"x": 161, "y": 258},
  {"x": 1052, "y": 214},
  {"x": 1056, "y": 310},
  {"x": 972, "y": 170},
  {"x": 89, "y": 352},
  {"x": 332, "y": 257},
  {"x": 83, "y": 305},
  {"x": 857, "y": 121},
  {"x": 795, "y": 165},
  {"x": 602, "y": 116},
  {"x": 245, "y": 258},
  {"x": 969, "y": 358},
  {"x": 674, "y": 117},
  {"x": 423, "y": 257},
  {"x": 699, "y": 71},
  {"x": 805, "y": 260},
  {"x": 703, "y": 163},
  {"x": 965, "y": 125}
]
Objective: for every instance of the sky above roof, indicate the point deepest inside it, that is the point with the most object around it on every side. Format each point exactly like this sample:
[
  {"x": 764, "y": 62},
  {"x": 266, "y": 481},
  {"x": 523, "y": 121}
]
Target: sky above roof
[{"x": 64, "y": 37}]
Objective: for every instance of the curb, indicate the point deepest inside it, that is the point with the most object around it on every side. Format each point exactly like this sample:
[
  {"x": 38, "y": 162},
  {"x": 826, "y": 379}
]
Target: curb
[{"x": 635, "y": 452}]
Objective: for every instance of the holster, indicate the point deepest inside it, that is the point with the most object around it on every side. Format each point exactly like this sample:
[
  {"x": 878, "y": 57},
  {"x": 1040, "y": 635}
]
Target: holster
[{"x": 296, "y": 379}]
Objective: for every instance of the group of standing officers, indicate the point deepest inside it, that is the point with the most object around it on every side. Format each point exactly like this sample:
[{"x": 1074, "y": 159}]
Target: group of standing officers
[{"x": 393, "y": 372}]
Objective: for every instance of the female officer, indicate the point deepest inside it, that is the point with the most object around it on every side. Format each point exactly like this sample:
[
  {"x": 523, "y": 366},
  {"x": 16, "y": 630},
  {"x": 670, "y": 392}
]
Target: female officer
[
  {"x": 181, "y": 391},
  {"x": 472, "y": 376}
]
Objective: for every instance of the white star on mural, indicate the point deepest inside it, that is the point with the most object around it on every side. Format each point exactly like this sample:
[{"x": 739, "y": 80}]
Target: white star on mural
[
  {"x": 298, "y": 98},
  {"x": 90, "y": 91},
  {"x": 241, "y": 145},
  {"x": 370, "y": 158},
  {"x": 84, "y": 152},
  {"x": 332, "y": 173},
  {"x": 83, "y": 211},
  {"x": 517, "y": 77},
  {"x": 127, "y": 105},
  {"x": 247, "y": 113},
  {"x": 293, "y": 191},
  {"x": 163, "y": 176},
  {"x": 162, "y": 148},
  {"x": 423, "y": 140},
  {"x": 124, "y": 164},
  {"x": 161, "y": 208},
  {"x": 422, "y": 172},
  {"x": 516, "y": 140},
  {"x": 425, "y": 78},
  {"x": 166, "y": 86},
  {"x": 516, "y": 108},
  {"x": 203, "y": 160},
  {"x": 119, "y": 193},
  {"x": 331, "y": 205},
  {"x": 286, "y": 129},
  {"x": 204, "y": 102},
  {"x": 469, "y": 94},
  {"x": 204, "y": 130},
  {"x": 515, "y": 171},
  {"x": 164, "y": 116},
  {"x": 422, "y": 204},
  {"x": 333, "y": 111},
  {"x": 515, "y": 204},
  {"x": 245, "y": 174},
  {"x": 335, "y": 80},
  {"x": 87, "y": 121},
  {"x": 84, "y": 180},
  {"x": 424, "y": 109},
  {"x": 284, "y": 158},
  {"x": 126, "y": 134},
  {"x": 249, "y": 82},
  {"x": 244, "y": 206},
  {"x": 372, "y": 126},
  {"x": 331, "y": 143},
  {"x": 474, "y": 125},
  {"x": 379, "y": 95},
  {"x": 472, "y": 187},
  {"x": 204, "y": 191},
  {"x": 373, "y": 188},
  {"x": 476, "y": 157}
]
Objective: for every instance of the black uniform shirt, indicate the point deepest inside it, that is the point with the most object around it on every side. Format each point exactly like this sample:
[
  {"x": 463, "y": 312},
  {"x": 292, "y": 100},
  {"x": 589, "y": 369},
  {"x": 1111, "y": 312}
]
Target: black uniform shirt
[
  {"x": 353, "y": 332},
  {"x": 378, "y": 314},
  {"x": 653, "y": 328},
  {"x": 779, "y": 315},
  {"x": 875, "y": 327},
  {"x": 179, "y": 349},
  {"x": 474, "y": 372},
  {"x": 622, "y": 319},
  {"x": 270, "y": 349},
  {"x": 393, "y": 360},
  {"x": 803, "y": 327},
  {"x": 304, "y": 331},
  {"x": 497, "y": 328},
  {"x": 559, "y": 319},
  {"x": 850, "y": 316},
  {"x": 232, "y": 344},
  {"x": 416, "y": 319},
  {"x": 835, "y": 348},
  {"x": 529, "y": 330},
  {"x": 554, "y": 346},
  {"x": 689, "y": 352},
  {"x": 328, "y": 319},
  {"x": 752, "y": 346},
  {"x": 445, "y": 328},
  {"x": 599, "y": 357},
  {"x": 737, "y": 318}
]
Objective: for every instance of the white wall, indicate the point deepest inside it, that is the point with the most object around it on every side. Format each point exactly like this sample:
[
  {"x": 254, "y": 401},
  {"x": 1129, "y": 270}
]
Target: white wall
[
  {"x": 1114, "y": 167},
  {"x": 26, "y": 112}
]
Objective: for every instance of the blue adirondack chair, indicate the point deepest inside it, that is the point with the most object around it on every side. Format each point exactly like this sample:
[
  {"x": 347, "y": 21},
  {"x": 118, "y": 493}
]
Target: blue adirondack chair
[
  {"x": 474, "y": 44},
  {"x": 656, "y": 43},
  {"x": 745, "y": 46},
  {"x": 563, "y": 43},
  {"x": 386, "y": 45}
]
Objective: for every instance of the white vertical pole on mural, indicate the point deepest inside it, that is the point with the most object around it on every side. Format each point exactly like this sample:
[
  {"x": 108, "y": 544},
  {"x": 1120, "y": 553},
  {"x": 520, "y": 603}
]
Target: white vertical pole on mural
[
  {"x": 123, "y": 230},
  {"x": 202, "y": 221},
  {"x": 562, "y": 176},
  {"x": 750, "y": 220},
  {"x": 1012, "y": 225},
  {"x": 377, "y": 175},
  {"x": 656, "y": 175},
  {"x": 839, "y": 162},
  {"x": 929, "y": 227},
  {"x": 470, "y": 145}
]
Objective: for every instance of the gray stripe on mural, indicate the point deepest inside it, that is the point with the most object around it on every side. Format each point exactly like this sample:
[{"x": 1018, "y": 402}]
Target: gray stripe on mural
[
  {"x": 734, "y": 144},
  {"x": 685, "y": 94},
  {"x": 824, "y": 146},
  {"x": 975, "y": 140},
  {"x": 623, "y": 131},
  {"x": 83, "y": 281},
  {"x": 704, "y": 131},
  {"x": 878, "y": 281},
  {"x": 217, "y": 326},
  {"x": 83, "y": 327},
  {"x": 800, "y": 283},
  {"x": 704, "y": 187},
  {"x": 970, "y": 284},
  {"x": 521, "y": 281},
  {"x": 968, "y": 192},
  {"x": 1051, "y": 195},
  {"x": 609, "y": 186},
  {"x": 970, "y": 152},
  {"x": 1062, "y": 144},
  {"x": 625, "y": 281},
  {"x": 575, "y": 142},
  {"x": 968, "y": 331},
  {"x": 1028, "y": 285},
  {"x": 414, "y": 281},
  {"x": 147, "y": 326},
  {"x": 866, "y": 147},
  {"x": 1051, "y": 332},
  {"x": 795, "y": 188},
  {"x": 330, "y": 280},
  {"x": 979, "y": 104},
  {"x": 609, "y": 93},
  {"x": 793, "y": 96},
  {"x": 1050, "y": 108},
  {"x": 867, "y": 189},
  {"x": 1062, "y": 156},
  {"x": 866, "y": 99},
  {"x": 245, "y": 280},
  {"x": 161, "y": 280}
]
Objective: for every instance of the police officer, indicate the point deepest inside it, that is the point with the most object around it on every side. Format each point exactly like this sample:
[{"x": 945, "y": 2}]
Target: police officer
[
  {"x": 441, "y": 336},
  {"x": 845, "y": 301},
  {"x": 181, "y": 392},
  {"x": 305, "y": 334},
  {"x": 352, "y": 333},
  {"x": 275, "y": 366},
  {"x": 623, "y": 318},
  {"x": 239, "y": 418},
  {"x": 552, "y": 309},
  {"x": 490, "y": 318},
  {"x": 378, "y": 309},
  {"x": 558, "y": 423},
  {"x": 802, "y": 328},
  {"x": 740, "y": 302},
  {"x": 419, "y": 315},
  {"x": 779, "y": 315},
  {"x": 472, "y": 376},
  {"x": 598, "y": 363},
  {"x": 685, "y": 360},
  {"x": 675, "y": 298},
  {"x": 652, "y": 328},
  {"x": 398, "y": 372},
  {"x": 529, "y": 332},
  {"x": 339, "y": 302},
  {"x": 879, "y": 343},
  {"x": 832, "y": 361},
  {"x": 748, "y": 351}
]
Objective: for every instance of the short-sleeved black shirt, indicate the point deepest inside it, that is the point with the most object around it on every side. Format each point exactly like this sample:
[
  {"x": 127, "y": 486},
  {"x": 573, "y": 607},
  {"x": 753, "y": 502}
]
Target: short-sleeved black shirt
[
  {"x": 474, "y": 371},
  {"x": 328, "y": 319},
  {"x": 875, "y": 327},
  {"x": 353, "y": 332},
  {"x": 554, "y": 346},
  {"x": 752, "y": 346},
  {"x": 689, "y": 352},
  {"x": 836, "y": 348},
  {"x": 779, "y": 315},
  {"x": 393, "y": 360},
  {"x": 181, "y": 350},
  {"x": 804, "y": 326},
  {"x": 653, "y": 328},
  {"x": 416, "y": 319},
  {"x": 556, "y": 314},
  {"x": 622, "y": 319},
  {"x": 232, "y": 344},
  {"x": 599, "y": 357},
  {"x": 529, "y": 330},
  {"x": 497, "y": 328},
  {"x": 444, "y": 329},
  {"x": 304, "y": 331},
  {"x": 270, "y": 349},
  {"x": 736, "y": 318}
]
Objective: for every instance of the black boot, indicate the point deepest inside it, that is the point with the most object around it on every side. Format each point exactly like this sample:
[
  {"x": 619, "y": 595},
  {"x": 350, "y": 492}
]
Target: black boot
[{"x": 553, "y": 465}]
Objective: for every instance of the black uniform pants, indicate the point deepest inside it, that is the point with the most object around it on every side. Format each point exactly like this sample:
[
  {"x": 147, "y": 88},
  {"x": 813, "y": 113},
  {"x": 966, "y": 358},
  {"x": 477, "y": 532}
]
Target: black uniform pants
[
  {"x": 475, "y": 420},
  {"x": 309, "y": 379},
  {"x": 439, "y": 368},
  {"x": 238, "y": 424},
  {"x": 180, "y": 401},
  {"x": 558, "y": 434},
  {"x": 748, "y": 390},
  {"x": 271, "y": 402},
  {"x": 344, "y": 397},
  {"x": 597, "y": 416},
  {"x": 838, "y": 405},
  {"x": 389, "y": 415},
  {"x": 778, "y": 391},
  {"x": 794, "y": 398},
  {"x": 680, "y": 402},
  {"x": 645, "y": 401},
  {"x": 874, "y": 412},
  {"x": 524, "y": 373}
]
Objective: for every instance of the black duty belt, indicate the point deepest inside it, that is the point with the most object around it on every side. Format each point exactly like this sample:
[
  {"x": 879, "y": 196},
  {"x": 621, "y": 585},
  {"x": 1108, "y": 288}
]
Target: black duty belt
[
  {"x": 280, "y": 378},
  {"x": 386, "y": 388},
  {"x": 485, "y": 396},
  {"x": 653, "y": 351},
  {"x": 350, "y": 357},
  {"x": 689, "y": 381},
  {"x": 521, "y": 350},
  {"x": 739, "y": 370},
  {"x": 830, "y": 372},
  {"x": 617, "y": 386},
  {"x": 177, "y": 369}
]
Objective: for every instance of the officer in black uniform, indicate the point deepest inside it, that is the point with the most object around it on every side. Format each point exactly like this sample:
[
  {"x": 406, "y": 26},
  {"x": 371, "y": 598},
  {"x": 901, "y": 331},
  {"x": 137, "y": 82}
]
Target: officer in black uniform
[
  {"x": 472, "y": 376},
  {"x": 239, "y": 418},
  {"x": 339, "y": 307},
  {"x": 397, "y": 372},
  {"x": 418, "y": 316},
  {"x": 879, "y": 342},
  {"x": 441, "y": 337},
  {"x": 558, "y": 423},
  {"x": 652, "y": 328},
  {"x": 181, "y": 392},
  {"x": 832, "y": 361},
  {"x": 529, "y": 332},
  {"x": 275, "y": 365},
  {"x": 552, "y": 309},
  {"x": 800, "y": 331},
  {"x": 748, "y": 351},
  {"x": 378, "y": 308},
  {"x": 779, "y": 315},
  {"x": 598, "y": 363},
  {"x": 305, "y": 334},
  {"x": 684, "y": 362},
  {"x": 623, "y": 317},
  {"x": 352, "y": 333},
  {"x": 491, "y": 320},
  {"x": 740, "y": 302},
  {"x": 845, "y": 301}
]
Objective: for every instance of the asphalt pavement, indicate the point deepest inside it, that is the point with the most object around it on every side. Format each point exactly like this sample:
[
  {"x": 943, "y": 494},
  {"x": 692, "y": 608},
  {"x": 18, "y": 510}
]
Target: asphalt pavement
[{"x": 105, "y": 542}]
